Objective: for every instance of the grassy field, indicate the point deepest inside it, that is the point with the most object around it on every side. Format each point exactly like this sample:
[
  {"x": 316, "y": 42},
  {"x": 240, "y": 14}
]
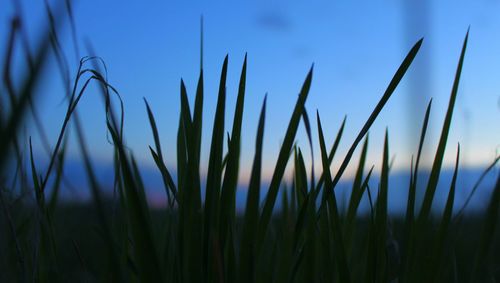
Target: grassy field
[{"x": 309, "y": 239}]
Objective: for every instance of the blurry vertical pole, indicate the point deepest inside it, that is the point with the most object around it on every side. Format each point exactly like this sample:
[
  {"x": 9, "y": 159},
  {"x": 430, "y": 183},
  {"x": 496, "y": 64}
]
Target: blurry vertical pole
[{"x": 416, "y": 23}]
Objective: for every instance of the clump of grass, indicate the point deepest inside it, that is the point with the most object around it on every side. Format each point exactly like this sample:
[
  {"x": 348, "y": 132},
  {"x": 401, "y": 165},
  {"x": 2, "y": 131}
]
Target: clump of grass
[{"x": 310, "y": 239}]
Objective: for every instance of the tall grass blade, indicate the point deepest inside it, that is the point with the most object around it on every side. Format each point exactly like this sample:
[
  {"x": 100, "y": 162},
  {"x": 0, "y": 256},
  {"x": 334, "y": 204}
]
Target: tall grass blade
[
  {"x": 197, "y": 127},
  {"x": 439, "y": 251},
  {"x": 145, "y": 250},
  {"x": 412, "y": 193},
  {"x": 331, "y": 155},
  {"x": 357, "y": 189},
  {"x": 251, "y": 217},
  {"x": 438, "y": 159},
  {"x": 339, "y": 248},
  {"x": 214, "y": 176},
  {"x": 282, "y": 161},
  {"x": 228, "y": 192},
  {"x": 387, "y": 94},
  {"x": 381, "y": 218}
]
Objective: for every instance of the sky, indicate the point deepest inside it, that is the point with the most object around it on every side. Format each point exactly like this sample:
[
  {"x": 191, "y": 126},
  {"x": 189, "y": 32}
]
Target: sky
[{"x": 355, "y": 46}]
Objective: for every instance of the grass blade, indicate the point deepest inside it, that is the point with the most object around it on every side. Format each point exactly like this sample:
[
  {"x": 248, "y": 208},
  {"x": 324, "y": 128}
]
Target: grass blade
[
  {"x": 214, "y": 176},
  {"x": 387, "y": 94},
  {"x": 357, "y": 192},
  {"x": 339, "y": 248},
  {"x": 476, "y": 185},
  {"x": 331, "y": 155},
  {"x": 382, "y": 271},
  {"x": 145, "y": 250},
  {"x": 158, "y": 157},
  {"x": 228, "y": 192},
  {"x": 412, "y": 192},
  {"x": 307, "y": 125},
  {"x": 300, "y": 179},
  {"x": 438, "y": 159},
  {"x": 251, "y": 216},
  {"x": 439, "y": 252},
  {"x": 283, "y": 157}
]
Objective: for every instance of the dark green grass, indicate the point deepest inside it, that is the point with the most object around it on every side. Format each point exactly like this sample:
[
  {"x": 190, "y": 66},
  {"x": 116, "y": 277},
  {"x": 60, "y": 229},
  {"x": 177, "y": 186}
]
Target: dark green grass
[{"x": 310, "y": 239}]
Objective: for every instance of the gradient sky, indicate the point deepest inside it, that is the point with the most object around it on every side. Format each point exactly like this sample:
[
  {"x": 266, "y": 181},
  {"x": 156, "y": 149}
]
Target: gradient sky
[{"x": 356, "y": 47}]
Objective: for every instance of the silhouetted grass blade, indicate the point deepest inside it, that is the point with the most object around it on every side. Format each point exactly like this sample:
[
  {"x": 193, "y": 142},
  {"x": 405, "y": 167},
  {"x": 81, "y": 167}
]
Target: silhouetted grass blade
[
  {"x": 228, "y": 193},
  {"x": 357, "y": 189},
  {"x": 476, "y": 186},
  {"x": 158, "y": 156},
  {"x": 251, "y": 216},
  {"x": 439, "y": 250},
  {"x": 167, "y": 177},
  {"x": 307, "y": 125},
  {"x": 339, "y": 247},
  {"x": 214, "y": 176},
  {"x": 382, "y": 266},
  {"x": 144, "y": 246},
  {"x": 283, "y": 156},
  {"x": 387, "y": 94},
  {"x": 438, "y": 159},
  {"x": 331, "y": 155}
]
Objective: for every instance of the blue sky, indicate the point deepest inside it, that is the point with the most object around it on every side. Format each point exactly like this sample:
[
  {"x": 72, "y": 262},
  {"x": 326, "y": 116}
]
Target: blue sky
[{"x": 356, "y": 46}]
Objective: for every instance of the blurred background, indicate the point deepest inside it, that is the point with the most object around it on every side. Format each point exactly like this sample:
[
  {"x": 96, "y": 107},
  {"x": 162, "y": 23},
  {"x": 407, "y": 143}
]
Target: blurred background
[{"x": 355, "y": 46}]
